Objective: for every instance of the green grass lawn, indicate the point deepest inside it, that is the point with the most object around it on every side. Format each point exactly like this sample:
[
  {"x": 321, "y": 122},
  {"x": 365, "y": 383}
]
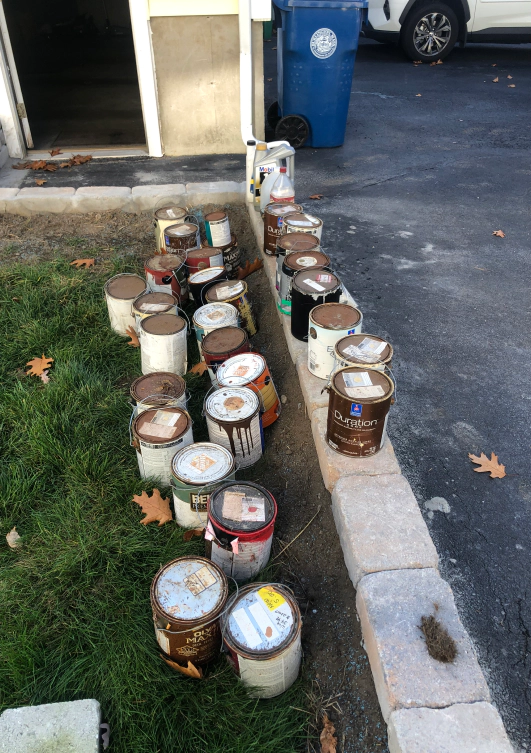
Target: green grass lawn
[{"x": 74, "y": 599}]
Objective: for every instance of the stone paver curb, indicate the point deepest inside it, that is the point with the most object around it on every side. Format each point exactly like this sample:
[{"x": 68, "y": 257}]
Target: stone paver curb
[{"x": 102, "y": 199}]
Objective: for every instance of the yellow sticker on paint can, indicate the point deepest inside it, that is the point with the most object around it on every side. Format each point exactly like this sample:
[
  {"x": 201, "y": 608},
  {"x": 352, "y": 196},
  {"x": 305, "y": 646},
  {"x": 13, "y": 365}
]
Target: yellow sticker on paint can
[{"x": 271, "y": 598}]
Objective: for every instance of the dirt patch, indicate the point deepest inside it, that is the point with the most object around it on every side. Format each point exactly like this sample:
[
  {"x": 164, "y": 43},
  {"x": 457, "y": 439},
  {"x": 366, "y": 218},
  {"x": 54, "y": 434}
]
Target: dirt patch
[{"x": 439, "y": 642}]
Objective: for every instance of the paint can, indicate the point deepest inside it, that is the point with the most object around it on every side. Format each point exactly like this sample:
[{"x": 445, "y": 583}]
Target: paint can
[
  {"x": 217, "y": 228},
  {"x": 293, "y": 263},
  {"x": 120, "y": 293},
  {"x": 163, "y": 344},
  {"x": 221, "y": 344},
  {"x": 188, "y": 596},
  {"x": 233, "y": 421},
  {"x": 357, "y": 411},
  {"x": 242, "y": 516},
  {"x": 262, "y": 632},
  {"x": 157, "y": 390},
  {"x": 151, "y": 303},
  {"x": 251, "y": 370},
  {"x": 197, "y": 470},
  {"x": 310, "y": 289},
  {"x": 166, "y": 273},
  {"x": 203, "y": 258},
  {"x": 300, "y": 222},
  {"x": 179, "y": 239},
  {"x": 273, "y": 221},
  {"x": 369, "y": 351},
  {"x": 232, "y": 256},
  {"x": 163, "y": 218},
  {"x": 210, "y": 317},
  {"x": 328, "y": 324},
  {"x": 199, "y": 282},
  {"x": 293, "y": 242},
  {"x": 235, "y": 293},
  {"x": 158, "y": 433}
]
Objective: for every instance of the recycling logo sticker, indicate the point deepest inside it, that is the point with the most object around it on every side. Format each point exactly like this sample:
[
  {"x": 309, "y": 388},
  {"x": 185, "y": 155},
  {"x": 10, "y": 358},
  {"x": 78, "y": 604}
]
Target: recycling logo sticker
[{"x": 323, "y": 43}]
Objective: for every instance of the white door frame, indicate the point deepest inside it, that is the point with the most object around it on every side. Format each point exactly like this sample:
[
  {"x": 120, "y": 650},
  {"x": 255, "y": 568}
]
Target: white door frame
[{"x": 9, "y": 118}]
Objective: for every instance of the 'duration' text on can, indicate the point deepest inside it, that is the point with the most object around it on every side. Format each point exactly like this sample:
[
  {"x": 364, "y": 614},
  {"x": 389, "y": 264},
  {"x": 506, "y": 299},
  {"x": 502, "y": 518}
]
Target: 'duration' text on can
[
  {"x": 233, "y": 421},
  {"x": 293, "y": 263},
  {"x": 180, "y": 239},
  {"x": 217, "y": 228},
  {"x": 262, "y": 634},
  {"x": 222, "y": 344},
  {"x": 188, "y": 596},
  {"x": 157, "y": 390},
  {"x": 310, "y": 288},
  {"x": 158, "y": 433},
  {"x": 273, "y": 221},
  {"x": 151, "y": 303},
  {"x": 197, "y": 471},
  {"x": 328, "y": 324},
  {"x": 251, "y": 370},
  {"x": 299, "y": 222},
  {"x": 167, "y": 273},
  {"x": 163, "y": 345},
  {"x": 235, "y": 293},
  {"x": 287, "y": 244},
  {"x": 232, "y": 256},
  {"x": 370, "y": 351},
  {"x": 120, "y": 294},
  {"x": 210, "y": 317},
  {"x": 163, "y": 218},
  {"x": 242, "y": 517},
  {"x": 358, "y": 409}
]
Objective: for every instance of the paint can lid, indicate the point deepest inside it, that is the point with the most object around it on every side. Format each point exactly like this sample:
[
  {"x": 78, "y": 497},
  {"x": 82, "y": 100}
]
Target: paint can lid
[
  {"x": 222, "y": 291},
  {"x": 261, "y": 619},
  {"x": 206, "y": 252},
  {"x": 303, "y": 260},
  {"x": 240, "y": 370},
  {"x": 362, "y": 385},
  {"x": 154, "y": 303},
  {"x": 171, "y": 212},
  {"x": 204, "y": 275},
  {"x": 161, "y": 425},
  {"x": 189, "y": 588},
  {"x": 364, "y": 349},
  {"x": 202, "y": 463},
  {"x": 315, "y": 281},
  {"x": 162, "y": 383},
  {"x": 279, "y": 209},
  {"x": 215, "y": 216},
  {"x": 232, "y": 404},
  {"x": 215, "y": 315},
  {"x": 242, "y": 507},
  {"x": 182, "y": 230},
  {"x": 335, "y": 315},
  {"x": 298, "y": 242},
  {"x": 223, "y": 340},
  {"x": 163, "y": 324},
  {"x": 125, "y": 286},
  {"x": 164, "y": 262},
  {"x": 301, "y": 219},
  {"x": 233, "y": 242}
]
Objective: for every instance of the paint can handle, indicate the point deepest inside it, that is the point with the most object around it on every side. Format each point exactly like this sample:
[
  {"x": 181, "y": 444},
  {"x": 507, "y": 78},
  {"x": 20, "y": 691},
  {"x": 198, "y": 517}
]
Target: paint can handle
[{"x": 132, "y": 440}]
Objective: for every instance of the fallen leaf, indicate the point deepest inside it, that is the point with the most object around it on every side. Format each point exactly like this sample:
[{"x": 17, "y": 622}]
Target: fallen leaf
[
  {"x": 509, "y": 76},
  {"x": 494, "y": 65},
  {"x": 438, "y": 62},
  {"x": 270, "y": 79},
  {"x": 417, "y": 62},
  {"x": 55, "y": 152},
  {"x": 499, "y": 233},
  {"x": 249, "y": 268},
  {"x": 40, "y": 181},
  {"x": 418, "y": 95},
  {"x": 79, "y": 159},
  {"x": 512, "y": 86},
  {"x": 316, "y": 196},
  {"x": 50, "y": 167},
  {"x": 82, "y": 263},
  {"x": 65, "y": 164},
  {"x": 327, "y": 738},
  {"x": 134, "y": 342},
  {"x": 13, "y": 539},
  {"x": 44, "y": 376},
  {"x": 155, "y": 507},
  {"x": 491, "y": 466},
  {"x": 189, "y": 671},
  {"x": 15, "y": 299},
  {"x": 495, "y": 80},
  {"x": 188, "y": 535},
  {"x": 39, "y": 365},
  {"x": 199, "y": 368}
]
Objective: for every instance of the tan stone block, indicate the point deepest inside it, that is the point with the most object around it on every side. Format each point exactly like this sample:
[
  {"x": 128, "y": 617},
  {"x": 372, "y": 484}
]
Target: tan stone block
[
  {"x": 41, "y": 200},
  {"x": 146, "y": 198},
  {"x": 101, "y": 199}
]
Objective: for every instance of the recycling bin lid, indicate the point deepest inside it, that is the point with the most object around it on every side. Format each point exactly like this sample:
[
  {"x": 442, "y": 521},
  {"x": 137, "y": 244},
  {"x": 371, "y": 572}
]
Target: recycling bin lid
[{"x": 339, "y": 4}]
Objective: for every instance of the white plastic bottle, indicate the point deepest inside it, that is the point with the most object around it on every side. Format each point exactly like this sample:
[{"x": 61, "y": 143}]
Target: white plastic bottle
[
  {"x": 282, "y": 191},
  {"x": 267, "y": 185}
]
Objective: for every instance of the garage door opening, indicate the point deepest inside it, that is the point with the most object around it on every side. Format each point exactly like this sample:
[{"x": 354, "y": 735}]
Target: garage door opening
[{"x": 76, "y": 65}]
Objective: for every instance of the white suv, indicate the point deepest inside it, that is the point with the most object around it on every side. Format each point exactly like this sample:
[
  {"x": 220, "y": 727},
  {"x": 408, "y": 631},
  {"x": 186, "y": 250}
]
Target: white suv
[{"x": 428, "y": 29}]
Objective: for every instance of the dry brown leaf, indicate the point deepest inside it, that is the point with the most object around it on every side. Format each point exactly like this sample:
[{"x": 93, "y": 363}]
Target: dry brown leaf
[
  {"x": 316, "y": 196},
  {"x": 509, "y": 76},
  {"x": 40, "y": 181},
  {"x": 82, "y": 263},
  {"x": 155, "y": 507},
  {"x": 189, "y": 671},
  {"x": 418, "y": 95},
  {"x": 65, "y": 164},
  {"x": 499, "y": 233},
  {"x": 44, "y": 376},
  {"x": 134, "y": 341},
  {"x": 495, "y": 80},
  {"x": 249, "y": 268},
  {"x": 417, "y": 62},
  {"x": 494, "y": 65},
  {"x": 13, "y": 539},
  {"x": 512, "y": 86},
  {"x": 198, "y": 368},
  {"x": 438, "y": 62},
  {"x": 79, "y": 159},
  {"x": 327, "y": 738},
  {"x": 39, "y": 365},
  {"x": 191, "y": 533},
  {"x": 492, "y": 466},
  {"x": 50, "y": 167},
  {"x": 55, "y": 152}
]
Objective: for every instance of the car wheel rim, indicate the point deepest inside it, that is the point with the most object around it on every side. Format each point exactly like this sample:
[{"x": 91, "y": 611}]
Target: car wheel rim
[{"x": 432, "y": 34}]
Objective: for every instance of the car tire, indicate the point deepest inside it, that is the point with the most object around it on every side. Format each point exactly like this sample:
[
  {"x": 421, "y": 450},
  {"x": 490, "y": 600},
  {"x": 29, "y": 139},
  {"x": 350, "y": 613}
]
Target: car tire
[{"x": 429, "y": 32}]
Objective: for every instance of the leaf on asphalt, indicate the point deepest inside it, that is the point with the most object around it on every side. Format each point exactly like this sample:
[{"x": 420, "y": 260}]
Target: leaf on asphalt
[
  {"x": 55, "y": 152},
  {"x": 327, "y": 737},
  {"x": 189, "y": 671},
  {"x": 438, "y": 62},
  {"x": 44, "y": 376},
  {"x": 192, "y": 533},
  {"x": 40, "y": 181},
  {"x": 492, "y": 466},
  {"x": 65, "y": 164},
  {"x": 495, "y": 80},
  {"x": 50, "y": 167},
  {"x": 316, "y": 196},
  {"x": 418, "y": 95},
  {"x": 155, "y": 507},
  {"x": 39, "y": 365},
  {"x": 417, "y": 62},
  {"x": 82, "y": 263},
  {"x": 512, "y": 86},
  {"x": 249, "y": 268},
  {"x": 79, "y": 159},
  {"x": 494, "y": 65},
  {"x": 509, "y": 76},
  {"x": 199, "y": 368},
  {"x": 13, "y": 539},
  {"x": 499, "y": 233},
  {"x": 134, "y": 341},
  {"x": 270, "y": 79}
]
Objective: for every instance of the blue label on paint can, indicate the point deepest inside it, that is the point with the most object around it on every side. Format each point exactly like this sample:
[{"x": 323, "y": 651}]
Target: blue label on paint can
[
  {"x": 356, "y": 409},
  {"x": 351, "y": 332},
  {"x": 280, "y": 221}
]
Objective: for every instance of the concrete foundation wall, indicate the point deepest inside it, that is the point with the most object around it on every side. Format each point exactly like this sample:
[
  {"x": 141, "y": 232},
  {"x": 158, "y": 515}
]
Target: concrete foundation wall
[{"x": 197, "y": 62}]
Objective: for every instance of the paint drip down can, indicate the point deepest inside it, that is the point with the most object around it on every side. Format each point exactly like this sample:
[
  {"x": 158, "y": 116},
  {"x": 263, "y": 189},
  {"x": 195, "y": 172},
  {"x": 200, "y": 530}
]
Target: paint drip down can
[
  {"x": 241, "y": 518},
  {"x": 120, "y": 293},
  {"x": 328, "y": 324},
  {"x": 188, "y": 596},
  {"x": 251, "y": 370},
  {"x": 309, "y": 289},
  {"x": 262, "y": 633},
  {"x": 233, "y": 421},
  {"x": 163, "y": 345},
  {"x": 157, "y": 435}
]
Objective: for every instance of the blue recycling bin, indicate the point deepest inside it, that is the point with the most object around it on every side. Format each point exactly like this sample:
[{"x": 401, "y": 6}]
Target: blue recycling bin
[{"x": 316, "y": 48}]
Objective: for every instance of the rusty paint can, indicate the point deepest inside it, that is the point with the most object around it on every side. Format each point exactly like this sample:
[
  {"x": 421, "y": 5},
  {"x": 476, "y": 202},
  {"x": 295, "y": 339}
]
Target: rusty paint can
[
  {"x": 163, "y": 218},
  {"x": 300, "y": 222},
  {"x": 197, "y": 471},
  {"x": 151, "y": 303},
  {"x": 166, "y": 273},
  {"x": 235, "y": 293},
  {"x": 329, "y": 323},
  {"x": 233, "y": 421},
  {"x": 232, "y": 256},
  {"x": 188, "y": 596},
  {"x": 242, "y": 516},
  {"x": 221, "y": 344},
  {"x": 120, "y": 293},
  {"x": 199, "y": 282},
  {"x": 181, "y": 238},
  {"x": 217, "y": 228},
  {"x": 203, "y": 258},
  {"x": 286, "y": 244},
  {"x": 262, "y": 633},
  {"x": 273, "y": 221},
  {"x": 310, "y": 289},
  {"x": 369, "y": 351},
  {"x": 210, "y": 317},
  {"x": 357, "y": 411},
  {"x": 158, "y": 433},
  {"x": 163, "y": 345},
  {"x": 251, "y": 370},
  {"x": 157, "y": 390},
  {"x": 293, "y": 263}
]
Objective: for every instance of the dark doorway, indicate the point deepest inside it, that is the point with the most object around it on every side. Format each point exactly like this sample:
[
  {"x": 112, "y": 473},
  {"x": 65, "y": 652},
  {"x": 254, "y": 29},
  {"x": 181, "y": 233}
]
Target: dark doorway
[{"x": 76, "y": 64}]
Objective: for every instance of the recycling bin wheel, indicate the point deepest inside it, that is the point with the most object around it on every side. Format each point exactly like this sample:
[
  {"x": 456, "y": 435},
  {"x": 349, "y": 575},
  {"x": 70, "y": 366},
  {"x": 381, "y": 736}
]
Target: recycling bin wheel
[
  {"x": 272, "y": 115},
  {"x": 294, "y": 129}
]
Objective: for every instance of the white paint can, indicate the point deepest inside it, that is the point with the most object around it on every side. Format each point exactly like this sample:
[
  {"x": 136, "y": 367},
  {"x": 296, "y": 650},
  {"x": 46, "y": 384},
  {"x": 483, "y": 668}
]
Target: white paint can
[
  {"x": 369, "y": 351},
  {"x": 300, "y": 222},
  {"x": 210, "y": 317},
  {"x": 329, "y": 322},
  {"x": 164, "y": 217},
  {"x": 158, "y": 433},
  {"x": 233, "y": 421},
  {"x": 151, "y": 303},
  {"x": 157, "y": 390},
  {"x": 217, "y": 228},
  {"x": 163, "y": 345},
  {"x": 120, "y": 293},
  {"x": 261, "y": 630}
]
